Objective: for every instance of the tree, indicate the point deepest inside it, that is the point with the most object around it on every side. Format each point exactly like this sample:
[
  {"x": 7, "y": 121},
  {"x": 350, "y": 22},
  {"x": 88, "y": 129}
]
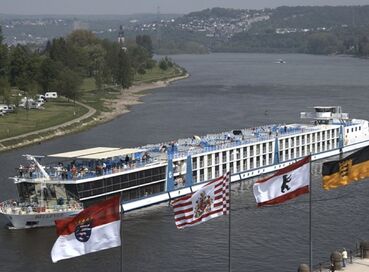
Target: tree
[
  {"x": 82, "y": 38},
  {"x": 5, "y": 90},
  {"x": 48, "y": 73},
  {"x": 163, "y": 65},
  {"x": 124, "y": 74},
  {"x": 68, "y": 83},
  {"x": 1, "y": 35},
  {"x": 23, "y": 68},
  {"x": 4, "y": 60}
]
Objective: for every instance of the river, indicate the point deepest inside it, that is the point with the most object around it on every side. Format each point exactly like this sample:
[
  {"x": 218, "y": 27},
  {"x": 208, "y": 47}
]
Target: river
[{"x": 224, "y": 92}]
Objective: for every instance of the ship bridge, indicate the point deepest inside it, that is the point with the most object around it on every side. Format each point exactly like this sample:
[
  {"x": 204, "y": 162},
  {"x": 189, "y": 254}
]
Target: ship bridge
[{"x": 325, "y": 115}]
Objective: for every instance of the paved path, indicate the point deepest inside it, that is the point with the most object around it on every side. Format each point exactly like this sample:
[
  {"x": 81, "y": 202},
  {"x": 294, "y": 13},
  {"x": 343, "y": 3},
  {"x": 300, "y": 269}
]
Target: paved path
[
  {"x": 358, "y": 265},
  {"x": 91, "y": 111}
]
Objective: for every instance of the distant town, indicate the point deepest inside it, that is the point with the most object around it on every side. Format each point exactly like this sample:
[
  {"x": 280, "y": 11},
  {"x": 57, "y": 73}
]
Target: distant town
[{"x": 316, "y": 30}]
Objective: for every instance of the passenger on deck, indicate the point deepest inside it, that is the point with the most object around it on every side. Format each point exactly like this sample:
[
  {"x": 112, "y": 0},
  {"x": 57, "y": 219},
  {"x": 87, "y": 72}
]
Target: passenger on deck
[
  {"x": 126, "y": 160},
  {"x": 21, "y": 170},
  {"x": 64, "y": 173}
]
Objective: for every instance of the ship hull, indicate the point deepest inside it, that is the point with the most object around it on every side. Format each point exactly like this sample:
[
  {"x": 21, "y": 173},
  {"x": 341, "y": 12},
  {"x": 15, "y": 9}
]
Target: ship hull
[{"x": 27, "y": 221}]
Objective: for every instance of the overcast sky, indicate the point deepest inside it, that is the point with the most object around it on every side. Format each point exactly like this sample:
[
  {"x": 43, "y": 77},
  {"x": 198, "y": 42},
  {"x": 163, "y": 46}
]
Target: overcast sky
[{"x": 148, "y": 6}]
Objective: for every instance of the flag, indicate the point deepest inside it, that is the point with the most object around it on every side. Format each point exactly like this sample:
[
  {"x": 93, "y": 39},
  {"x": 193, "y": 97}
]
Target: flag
[
  {"x": 285, "y": 184},
  {"x": 342, "y": 172},
  {"x": 93, "y": 229},
  {"x": 211, "y": 201}
]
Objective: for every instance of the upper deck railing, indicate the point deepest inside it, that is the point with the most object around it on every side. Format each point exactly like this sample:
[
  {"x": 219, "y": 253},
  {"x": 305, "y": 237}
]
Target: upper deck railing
[{"x": 84, "y": 169}]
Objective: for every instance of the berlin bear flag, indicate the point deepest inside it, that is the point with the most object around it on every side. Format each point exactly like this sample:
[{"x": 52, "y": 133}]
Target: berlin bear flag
[
  {"x": 93, "y": 229},
  {"x": 210, "y": 201},
  {"x": 285, "y": 184}
]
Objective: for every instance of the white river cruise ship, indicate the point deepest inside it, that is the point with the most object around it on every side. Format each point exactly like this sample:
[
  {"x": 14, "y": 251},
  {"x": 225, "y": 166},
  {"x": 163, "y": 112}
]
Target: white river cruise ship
[{"x": 156, "y": 173}]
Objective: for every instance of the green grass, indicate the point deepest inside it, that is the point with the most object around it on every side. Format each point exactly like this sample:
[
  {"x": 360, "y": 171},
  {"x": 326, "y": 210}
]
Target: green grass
[
  {"x": 54, "y": 113},
  {"x": 61, "y": 110},
  {"x": 156, "y": 74}
]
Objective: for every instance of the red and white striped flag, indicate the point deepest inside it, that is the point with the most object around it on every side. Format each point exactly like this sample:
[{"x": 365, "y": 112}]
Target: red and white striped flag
[
  {"x": 93, "y": 229},
  {"x": 211, "y": 201},
  {"x": 285, "y": 184}
]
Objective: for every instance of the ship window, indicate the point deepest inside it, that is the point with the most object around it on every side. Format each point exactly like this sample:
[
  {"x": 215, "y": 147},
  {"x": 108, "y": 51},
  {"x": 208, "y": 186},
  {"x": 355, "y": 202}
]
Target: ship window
[
  {"x": 194, "y": 177},
  {"x": 209, "y": 173},
  {"x": 352, "y": 129},
  {"x": 359, "y": 128},
  {"x": 31, "y": 223},
  {"x": 244, "y": 164},
  {"x": 355, "y": 128},
  {"x": 251, "y": 151},
  {"x": 244, "y": 152},
  {"x": 238, "y": 153}
]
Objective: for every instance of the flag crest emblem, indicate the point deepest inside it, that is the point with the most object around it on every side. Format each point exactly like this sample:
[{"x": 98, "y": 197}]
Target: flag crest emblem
[
  {"x": 344, "y": 168},
  {"x": 203, "y": 205},
  {"x": 83, "y": 230}
]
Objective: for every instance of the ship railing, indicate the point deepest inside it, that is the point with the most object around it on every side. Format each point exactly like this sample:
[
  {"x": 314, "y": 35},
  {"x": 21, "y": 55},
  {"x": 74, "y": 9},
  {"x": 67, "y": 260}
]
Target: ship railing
[
  {"x": 199, "y": 150},
  {"x": 57, "y": 174},
  {"x": 15, "y": 207}
]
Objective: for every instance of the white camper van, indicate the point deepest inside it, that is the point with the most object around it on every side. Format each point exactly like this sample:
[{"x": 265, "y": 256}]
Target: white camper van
[
  {"x": 4, "y": 108},
  {"x": 49, "y": 95}
]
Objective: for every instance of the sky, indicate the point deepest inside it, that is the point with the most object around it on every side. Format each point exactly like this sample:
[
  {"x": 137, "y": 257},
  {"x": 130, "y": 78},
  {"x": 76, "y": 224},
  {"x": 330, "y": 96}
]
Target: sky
[{"x": 125, "y": 7}]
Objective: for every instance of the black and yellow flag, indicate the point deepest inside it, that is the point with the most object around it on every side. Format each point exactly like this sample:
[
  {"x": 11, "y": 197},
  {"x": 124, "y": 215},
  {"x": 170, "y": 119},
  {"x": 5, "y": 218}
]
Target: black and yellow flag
[{"x": 342, "y": 172}]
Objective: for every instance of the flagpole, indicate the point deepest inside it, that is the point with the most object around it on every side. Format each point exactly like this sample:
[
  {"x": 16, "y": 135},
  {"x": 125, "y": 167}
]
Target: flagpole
[
  {"x": 310, "y": 221},
  {"x": 229, "y": 223},
  {"x": 121, "y": 231}
]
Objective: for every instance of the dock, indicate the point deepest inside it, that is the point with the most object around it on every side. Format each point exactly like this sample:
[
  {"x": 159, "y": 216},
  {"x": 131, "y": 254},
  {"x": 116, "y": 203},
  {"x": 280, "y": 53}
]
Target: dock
[{"x": 358, "y": 265}]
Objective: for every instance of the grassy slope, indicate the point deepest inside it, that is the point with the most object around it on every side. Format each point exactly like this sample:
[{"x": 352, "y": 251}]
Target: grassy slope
[{"x": 54, "y": 113}]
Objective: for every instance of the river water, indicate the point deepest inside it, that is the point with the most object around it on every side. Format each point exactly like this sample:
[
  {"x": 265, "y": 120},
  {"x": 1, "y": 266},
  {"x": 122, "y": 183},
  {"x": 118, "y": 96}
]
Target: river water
[{"x": 224, "y": 92}]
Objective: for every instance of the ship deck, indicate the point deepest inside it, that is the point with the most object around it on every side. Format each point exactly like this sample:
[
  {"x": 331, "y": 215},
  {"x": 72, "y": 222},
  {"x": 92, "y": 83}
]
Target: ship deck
[{"x": 89, "y": 163}]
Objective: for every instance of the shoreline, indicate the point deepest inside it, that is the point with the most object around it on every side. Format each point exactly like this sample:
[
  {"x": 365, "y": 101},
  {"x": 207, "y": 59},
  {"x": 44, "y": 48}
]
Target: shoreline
[
  {"x": 131, "y": 96},
  {"x": 119, "y": 106}
]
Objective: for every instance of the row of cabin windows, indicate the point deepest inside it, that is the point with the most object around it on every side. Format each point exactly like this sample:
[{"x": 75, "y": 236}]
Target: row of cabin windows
[
  {"x": 234, "y": 167},
  {"x": 292, "y": 153},
  {"x": 236, "y": 154},
  {"x": 132, "y": 194},
  {"x": 358, "y": 128},
  {"x": 120, "y": 182},
  {"x": 308, "y": 138}
]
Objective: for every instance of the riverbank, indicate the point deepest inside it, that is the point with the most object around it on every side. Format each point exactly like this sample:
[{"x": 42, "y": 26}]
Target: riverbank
[{"x": 117, "y": 106}]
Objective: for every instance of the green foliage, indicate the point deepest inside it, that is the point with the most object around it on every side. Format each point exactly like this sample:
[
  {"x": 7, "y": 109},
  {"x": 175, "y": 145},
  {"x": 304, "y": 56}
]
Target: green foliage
[
  {"x": 4, "y": 90},
  {"x": 68, "y": 83},
  {"x": 124, "y": 74},
  {"x": 166, "y": 63},
  {"x": 4, "y": 59},
  {"x": 66, "y": 61},
  {"x": 145, "y": 42}
]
